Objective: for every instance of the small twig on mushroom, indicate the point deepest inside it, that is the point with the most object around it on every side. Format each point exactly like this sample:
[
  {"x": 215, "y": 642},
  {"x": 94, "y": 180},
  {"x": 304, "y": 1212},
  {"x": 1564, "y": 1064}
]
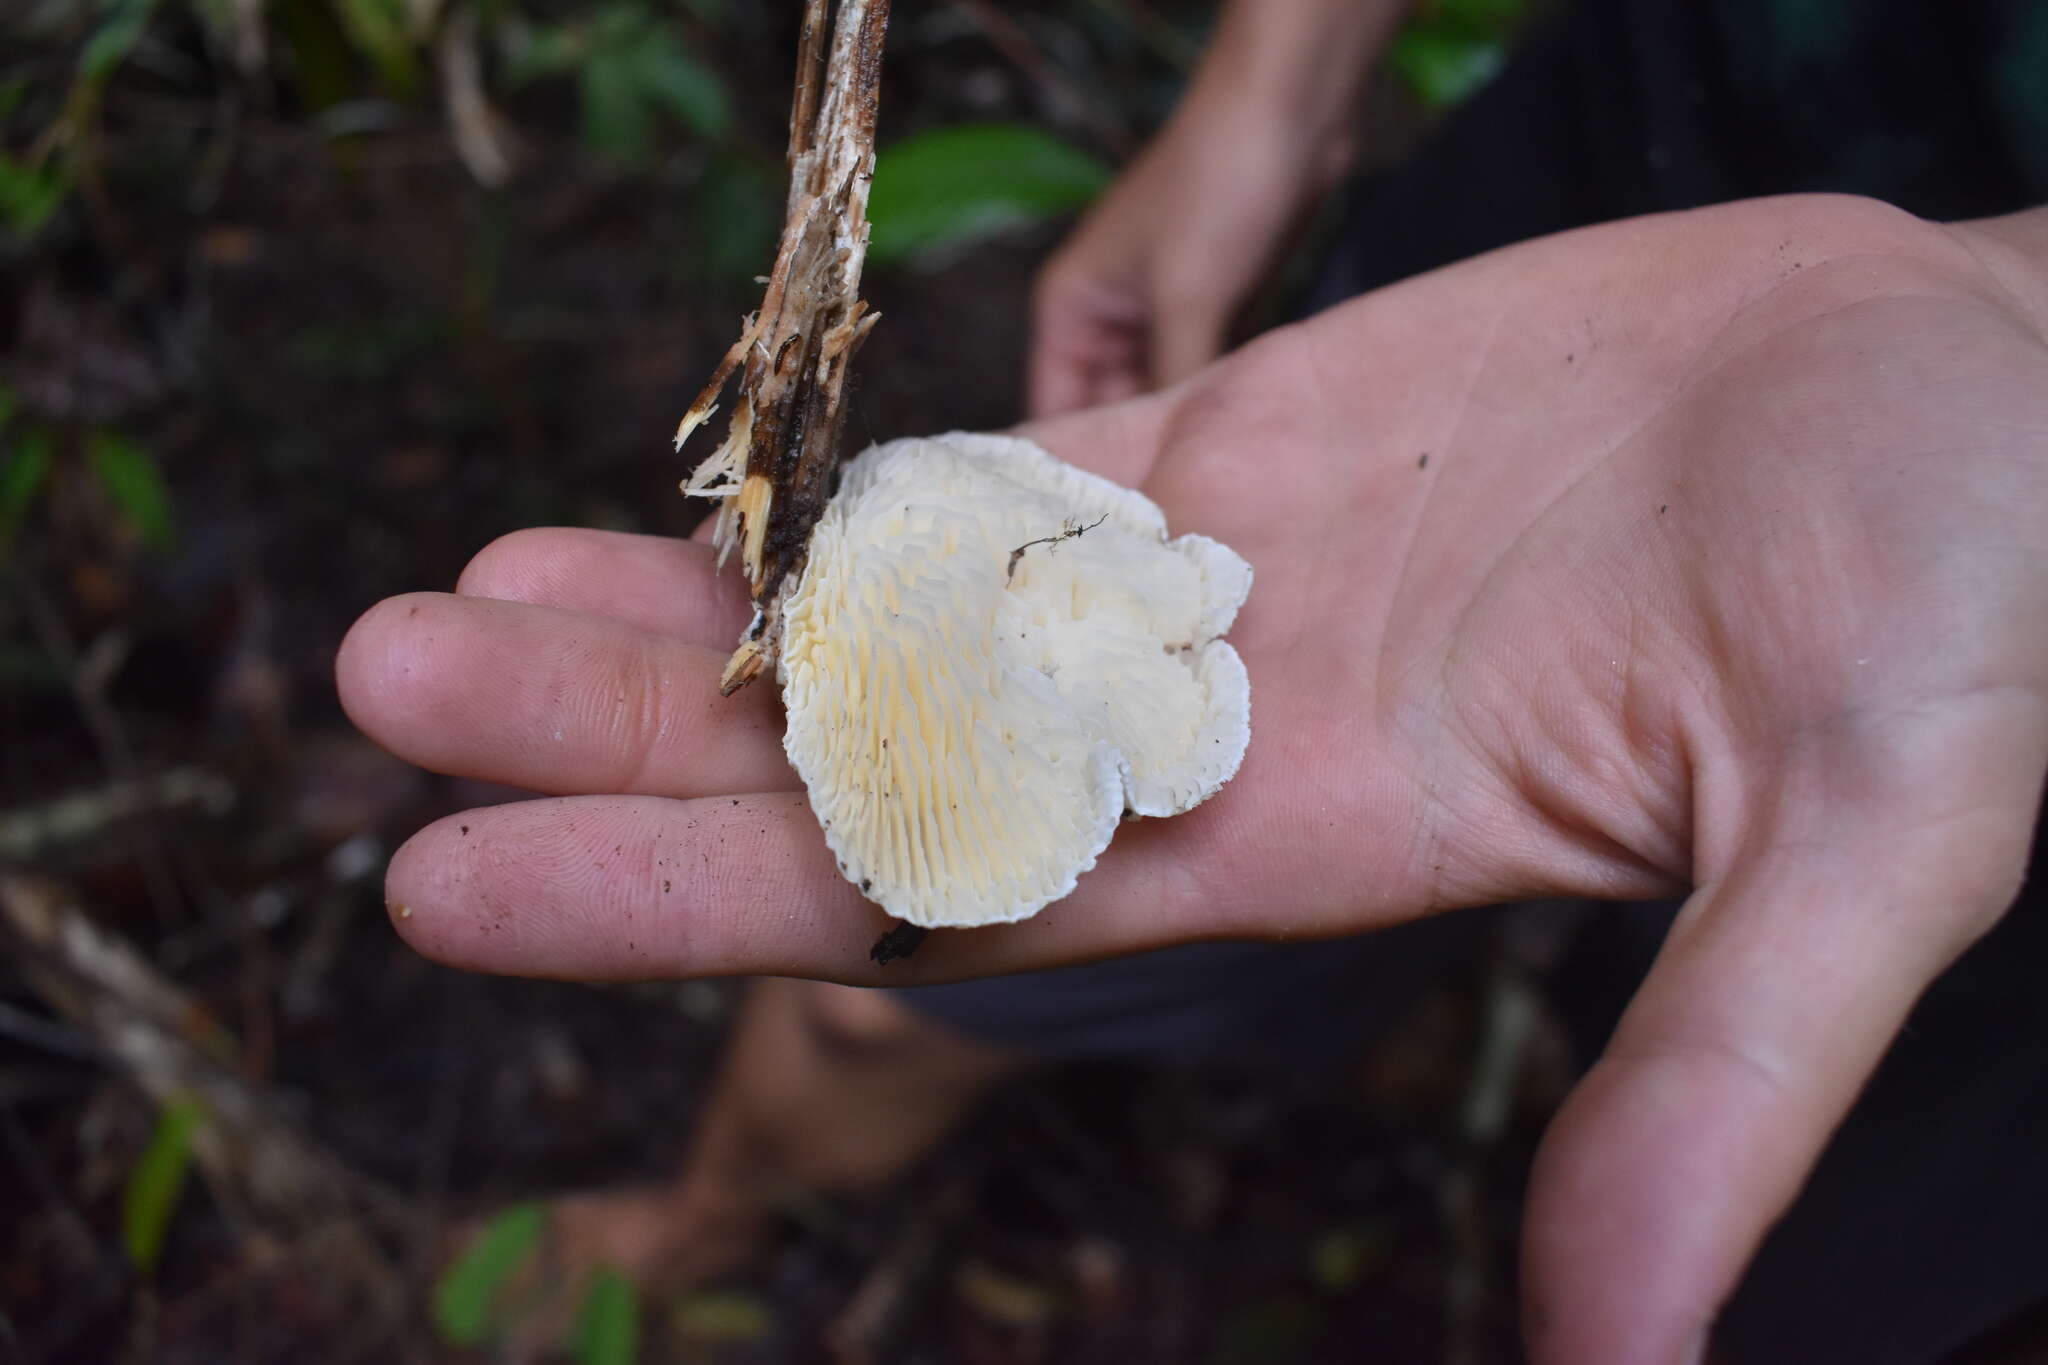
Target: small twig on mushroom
[
  {"x": 774, "y": 468},
  {"x": 1070, "y": 531}
]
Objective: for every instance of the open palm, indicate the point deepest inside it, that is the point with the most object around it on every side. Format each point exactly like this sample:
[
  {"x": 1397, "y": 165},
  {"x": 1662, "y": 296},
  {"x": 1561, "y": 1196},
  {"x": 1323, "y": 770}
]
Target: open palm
[{"x": 1701, "y": 552}]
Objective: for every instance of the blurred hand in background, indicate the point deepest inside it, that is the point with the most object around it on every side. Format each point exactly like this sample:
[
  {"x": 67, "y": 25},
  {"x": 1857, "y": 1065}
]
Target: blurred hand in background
[{"x": 1144, "y": 291}]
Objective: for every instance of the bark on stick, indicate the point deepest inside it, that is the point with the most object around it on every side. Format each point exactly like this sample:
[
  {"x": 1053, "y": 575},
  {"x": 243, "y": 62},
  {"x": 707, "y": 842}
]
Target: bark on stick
[{"x": 774, "y": 469}]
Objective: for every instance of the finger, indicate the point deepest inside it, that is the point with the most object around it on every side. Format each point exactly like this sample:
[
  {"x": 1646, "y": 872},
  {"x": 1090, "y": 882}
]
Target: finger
[
  {"x": 1084, "y": 334},
  {"x": 625, "y": 888},
  {"x": 668, "y": 586},
  {"x": 1187, "y": 335},
  {"x": 1778, "y": 991},
  {"x": 554, "y": 700},
  {"x": 1053, "y": 383},
  {"x": 1072, "y": 374}
]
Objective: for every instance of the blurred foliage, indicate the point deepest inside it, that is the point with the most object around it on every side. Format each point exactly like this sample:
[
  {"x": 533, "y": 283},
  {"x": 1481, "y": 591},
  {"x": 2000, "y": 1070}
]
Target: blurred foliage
[
  {"x": 1341, "y": 1259},
  {"x": 959, "y": 184},
  {"x": 467, "y": 1297},
  {"x": 156, "y": 1183},
  {"x": 24, "y": 466},
  {"x": 721, "y": 1317},
  {"x": 630, "y": 68},
  {"x": 114, "y": 39},
  {"x": 28, "y": 195},
  {"x": 475, "y": 1300},
  {"x": 377, "y": 28},
  {"x": 644, "y": 76},
  {"x": 1450, "y": 48},
  {"x": 1267, "y": 1331},
  {"x": 738, "y": 211},
  {"x": 608, "y": 1324},
  {"x": 126, "y": 474},
  {"x": 366, "y": 350},
  {"x": 646, "y": 83},
  {"x": 134, "y": 485},
  {"x": 635, "y": 66}
]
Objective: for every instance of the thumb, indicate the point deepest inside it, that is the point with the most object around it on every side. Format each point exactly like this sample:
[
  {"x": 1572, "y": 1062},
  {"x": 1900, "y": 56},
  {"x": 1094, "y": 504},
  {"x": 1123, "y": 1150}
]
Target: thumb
[
  {"x": 1777, "y": 992},
  {"x": 1087, "y": 347}
]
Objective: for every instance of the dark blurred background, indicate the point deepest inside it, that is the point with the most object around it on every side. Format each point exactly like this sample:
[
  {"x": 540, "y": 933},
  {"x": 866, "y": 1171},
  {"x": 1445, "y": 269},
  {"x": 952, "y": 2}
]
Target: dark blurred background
[{"x": 301, "y": 303}]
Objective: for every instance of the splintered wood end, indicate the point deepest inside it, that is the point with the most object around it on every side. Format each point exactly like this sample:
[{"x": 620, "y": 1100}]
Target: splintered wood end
[
  {"x": 752, "y": 506},
  {"x": 790, "y": 363},
  {"x": 742, "y": 668}
]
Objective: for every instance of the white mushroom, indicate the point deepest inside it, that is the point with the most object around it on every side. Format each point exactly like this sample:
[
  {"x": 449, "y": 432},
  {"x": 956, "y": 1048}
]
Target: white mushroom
[{"x": 973, "y": 721}]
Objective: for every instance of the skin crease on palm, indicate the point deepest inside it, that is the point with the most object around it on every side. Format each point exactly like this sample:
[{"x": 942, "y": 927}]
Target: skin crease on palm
[{"x": 1707, "y": 551}]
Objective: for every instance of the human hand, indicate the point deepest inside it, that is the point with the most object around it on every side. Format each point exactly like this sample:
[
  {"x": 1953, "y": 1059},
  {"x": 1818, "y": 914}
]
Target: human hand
[
  {"x": 1144, "y": 290},
  {"x": 1725, "y": 568}
]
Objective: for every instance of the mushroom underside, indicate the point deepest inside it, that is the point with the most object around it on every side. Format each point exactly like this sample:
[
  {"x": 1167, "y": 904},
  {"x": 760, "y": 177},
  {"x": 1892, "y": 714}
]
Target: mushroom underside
[{"x": 972, "y": 722}]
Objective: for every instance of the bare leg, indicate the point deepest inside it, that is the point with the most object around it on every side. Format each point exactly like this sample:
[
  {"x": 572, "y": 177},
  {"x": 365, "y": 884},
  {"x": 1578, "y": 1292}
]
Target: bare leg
[{"x": 823, "y": 1088}]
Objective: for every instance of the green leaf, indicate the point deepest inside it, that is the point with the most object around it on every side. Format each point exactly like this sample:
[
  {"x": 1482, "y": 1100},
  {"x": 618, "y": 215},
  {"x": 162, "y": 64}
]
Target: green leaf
[
  {"x": 608, "y": 1326},
  {"x": 377, "y": 30},
  {"x": 617, "y": 120},
  {"x": 737, "y": 210},
  {"x": 1473, "y": 18},
  {"x": 156, "y": 1182},
  {"x": 960, "y": 184},
  {"x": 12, "y": 91},
  {"x": 533, "y": 53},
  {"x": 1445, "y": 69},
  {"x": 111, "y": 43},
  {"x": 1343, "y": 1258},
  {"x": 634, "y": 67},
  {"x": 218, "y": 21},
  {"x": 466, "y": 1298},
  {"x": 364, "y": 350},
  {"x": 721, "y": 1316},
  {"x": 136, "y": 486},
  {"x": 1266, "y": 1332},
  {"x": 23, "y": 470},
  {"x": 25, "y": 669},
  {"x": 710, "y": 13},
  {"x": 29, "y": 194},
  {"x": 684, "y": 86},
  {"x": 1452, "y": 47},
  {"x": 322, "y": 68}
]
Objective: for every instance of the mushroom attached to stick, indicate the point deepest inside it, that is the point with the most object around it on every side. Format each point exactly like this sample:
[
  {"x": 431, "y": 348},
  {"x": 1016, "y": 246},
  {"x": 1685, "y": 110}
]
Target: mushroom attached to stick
[
  {"x": 988, "y": 657},
  {"x": 991, "y": 658}
]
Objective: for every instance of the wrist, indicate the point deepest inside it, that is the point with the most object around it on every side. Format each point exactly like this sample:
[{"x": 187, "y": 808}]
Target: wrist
[{"x": 1300, "y": 65}]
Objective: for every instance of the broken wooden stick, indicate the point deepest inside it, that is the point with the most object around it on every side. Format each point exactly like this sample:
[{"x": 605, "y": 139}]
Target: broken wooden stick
[{"x": 774, "y": 469}]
